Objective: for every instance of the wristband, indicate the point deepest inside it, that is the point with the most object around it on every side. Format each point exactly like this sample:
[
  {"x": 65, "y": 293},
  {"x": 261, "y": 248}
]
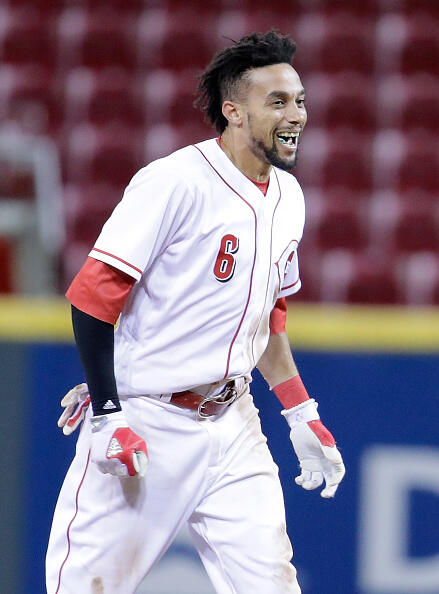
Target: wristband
[
  {"x": 302, "y": 413},
  {"x": 292, "y": 392}
]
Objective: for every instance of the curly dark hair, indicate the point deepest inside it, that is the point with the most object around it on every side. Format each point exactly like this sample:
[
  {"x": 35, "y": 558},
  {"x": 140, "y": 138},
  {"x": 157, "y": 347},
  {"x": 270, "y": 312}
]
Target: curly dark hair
[{"x": 223, "y": 77}]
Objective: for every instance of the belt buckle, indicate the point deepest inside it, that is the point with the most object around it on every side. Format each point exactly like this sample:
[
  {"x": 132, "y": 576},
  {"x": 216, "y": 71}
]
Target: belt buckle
[{"x": 230, "y": 390}]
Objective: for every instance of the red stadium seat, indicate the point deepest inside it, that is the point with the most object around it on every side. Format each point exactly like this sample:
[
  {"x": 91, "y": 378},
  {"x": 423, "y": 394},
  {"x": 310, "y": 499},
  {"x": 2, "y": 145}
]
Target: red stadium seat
[
  {"x": 348, "y": 162},
  {"x": 98, "y": 40},
  {"x": 17, "y": 181},
  {"x": 366, "y": 8},
  {"x": 103, "y": 97},
  {"x": 133, "y": 6},
  {"x": 400, "y": 100},
  {"x": 420, "y": 52},
  {"x": 411, "y": 7},
  {"x": 175, "y": 41},
  {"x": 352, "y": 107},
  {"x": 181, "y": 108},
  {"x": 115, "y": 162},
  {"x": 28, "y": 96},
  {"x": 44, "y": 7},
  {"x": 420, "y": 165},
  {"x": 342, "y": 100},
  {"x": 346, "y": 45},
  {"x": 27, "y": 38},
  {"x": 159, "y": 89},
  {"x": 111, "y": 155},
  {"x": 417, "y": 229},
  {"x": 277, "y": 7},
  {"x": 200, "y": 6},
  {"x": 421, "y": 91},
  {"x": 342, "y": 225},
  {"x": 111, "y": 103},
  {"x": 373, "y": 283},
  {"x": 194, "y": 49},
  {"x": 93, "y": 204},
  {"x": 6, "y": 283},
  {"x": 340, "y": 230}
]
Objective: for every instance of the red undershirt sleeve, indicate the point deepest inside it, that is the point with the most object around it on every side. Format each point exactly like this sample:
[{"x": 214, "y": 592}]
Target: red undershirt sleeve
[
  {"x": 100, "y": 290},
  {"x": 278, "y": 316}
]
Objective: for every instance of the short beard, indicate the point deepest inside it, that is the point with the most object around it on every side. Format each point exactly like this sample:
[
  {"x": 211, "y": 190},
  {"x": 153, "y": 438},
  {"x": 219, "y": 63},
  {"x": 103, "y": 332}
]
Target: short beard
[{"x": 272, "y": 156}]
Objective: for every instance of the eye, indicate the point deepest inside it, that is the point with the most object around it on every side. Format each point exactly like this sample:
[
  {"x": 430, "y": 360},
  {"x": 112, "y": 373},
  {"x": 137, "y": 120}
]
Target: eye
[
  {"x": 279, "y": 102},
  {"x": 301, "y": 102}
]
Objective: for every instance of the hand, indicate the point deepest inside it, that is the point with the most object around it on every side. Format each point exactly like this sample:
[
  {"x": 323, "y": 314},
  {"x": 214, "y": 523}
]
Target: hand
[
  {"x": 76, "y": 403},
  {"x": 315, "y": 448},
  {"x": 115, "y": 448}
]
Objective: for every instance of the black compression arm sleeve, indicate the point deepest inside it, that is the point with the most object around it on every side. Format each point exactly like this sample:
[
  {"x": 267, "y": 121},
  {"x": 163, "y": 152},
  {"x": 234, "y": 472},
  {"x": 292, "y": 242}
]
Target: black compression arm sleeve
[{"x": 95, "y": 342}]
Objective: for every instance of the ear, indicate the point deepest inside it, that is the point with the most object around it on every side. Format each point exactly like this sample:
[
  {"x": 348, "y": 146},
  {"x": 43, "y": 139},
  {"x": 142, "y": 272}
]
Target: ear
[{"x": 232, "y": 111}]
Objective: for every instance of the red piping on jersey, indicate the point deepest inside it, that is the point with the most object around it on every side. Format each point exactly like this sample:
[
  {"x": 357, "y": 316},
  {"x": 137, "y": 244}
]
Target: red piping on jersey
[
  {"x": 71, "y": 522},
  {"x": 289, "y": 286},
  {"x": 116, "y": 258},
  {"x": 269, "y": 271},
  {"x": 254, "y": 258}
]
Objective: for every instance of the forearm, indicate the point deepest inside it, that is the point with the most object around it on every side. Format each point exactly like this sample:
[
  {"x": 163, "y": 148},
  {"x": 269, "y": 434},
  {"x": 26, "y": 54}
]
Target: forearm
[
  {"x": 95, "y": 343},
  {"x": 280, "y": 372},
  {"x": 277, "y": 364}
]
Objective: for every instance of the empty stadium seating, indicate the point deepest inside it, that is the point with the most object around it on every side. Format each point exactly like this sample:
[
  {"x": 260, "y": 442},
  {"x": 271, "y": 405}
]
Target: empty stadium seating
[{"x": 113, "y": 82}]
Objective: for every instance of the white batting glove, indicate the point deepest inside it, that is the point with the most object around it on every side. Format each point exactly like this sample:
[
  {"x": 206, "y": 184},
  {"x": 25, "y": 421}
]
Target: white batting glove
[
  {"x": 115, "y": 448},
  {"x": 76, "y": 403},
  {"x": 315, "y": 448}
]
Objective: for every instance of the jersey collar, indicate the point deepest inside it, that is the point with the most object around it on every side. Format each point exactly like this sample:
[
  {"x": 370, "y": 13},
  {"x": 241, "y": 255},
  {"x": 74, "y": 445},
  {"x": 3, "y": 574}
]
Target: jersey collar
[{"x": 234, "y": 177}]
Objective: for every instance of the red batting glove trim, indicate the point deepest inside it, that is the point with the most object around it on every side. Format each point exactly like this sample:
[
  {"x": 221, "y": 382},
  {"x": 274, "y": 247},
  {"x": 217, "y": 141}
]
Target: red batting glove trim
[
  {"x": 79, "y": 413},
  {"x": 129, "y": 442},
  {"x": 324, "y": 436},
  {"x": 292, "y": 392}
]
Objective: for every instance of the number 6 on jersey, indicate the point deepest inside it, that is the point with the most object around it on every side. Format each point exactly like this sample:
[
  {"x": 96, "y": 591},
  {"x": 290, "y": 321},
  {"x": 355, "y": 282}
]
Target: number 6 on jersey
[{"x": 225, "y": 261}]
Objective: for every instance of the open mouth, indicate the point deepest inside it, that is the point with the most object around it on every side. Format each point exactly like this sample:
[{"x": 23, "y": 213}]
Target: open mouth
[{"x": 288, "y": 138}]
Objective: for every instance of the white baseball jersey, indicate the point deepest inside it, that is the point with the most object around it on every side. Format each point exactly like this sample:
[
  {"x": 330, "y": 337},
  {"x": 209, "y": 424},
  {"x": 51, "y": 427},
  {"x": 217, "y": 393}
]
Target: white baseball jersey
[{"x": 211, "y": 255}]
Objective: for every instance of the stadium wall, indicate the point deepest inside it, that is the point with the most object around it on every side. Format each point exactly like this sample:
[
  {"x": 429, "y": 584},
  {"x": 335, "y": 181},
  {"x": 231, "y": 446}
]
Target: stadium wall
[{"x": 375, "y": 373}]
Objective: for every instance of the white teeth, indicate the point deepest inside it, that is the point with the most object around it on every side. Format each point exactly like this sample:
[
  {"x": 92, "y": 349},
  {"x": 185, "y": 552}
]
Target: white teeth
[{"x": 287, "y": 138}]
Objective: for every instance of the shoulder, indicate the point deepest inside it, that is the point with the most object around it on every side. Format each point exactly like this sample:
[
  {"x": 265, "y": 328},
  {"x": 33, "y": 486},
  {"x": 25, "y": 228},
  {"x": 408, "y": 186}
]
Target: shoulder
[
  {"x": 178, "y": 170},
  {"x": 291, "y": 192},
  {"x": 289, "y": 185}
]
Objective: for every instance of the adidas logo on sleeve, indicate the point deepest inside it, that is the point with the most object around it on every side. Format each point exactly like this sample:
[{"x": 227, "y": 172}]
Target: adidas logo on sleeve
[{"x": 109, "y": 405}]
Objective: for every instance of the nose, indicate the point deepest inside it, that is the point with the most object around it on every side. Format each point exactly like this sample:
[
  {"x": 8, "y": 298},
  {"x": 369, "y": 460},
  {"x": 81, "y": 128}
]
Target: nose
[{"x": 296, "y": 114}]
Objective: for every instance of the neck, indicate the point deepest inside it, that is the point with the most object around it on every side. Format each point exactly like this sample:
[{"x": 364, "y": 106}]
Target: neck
[{"x": 243, "y": 158}]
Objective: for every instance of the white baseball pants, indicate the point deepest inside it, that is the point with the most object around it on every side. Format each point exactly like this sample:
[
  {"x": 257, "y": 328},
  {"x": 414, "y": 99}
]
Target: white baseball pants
[{"x": 215, "y": 474}]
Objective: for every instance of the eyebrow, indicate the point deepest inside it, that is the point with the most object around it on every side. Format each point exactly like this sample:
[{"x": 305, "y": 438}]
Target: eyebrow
[{"x": 284, "y": 94}]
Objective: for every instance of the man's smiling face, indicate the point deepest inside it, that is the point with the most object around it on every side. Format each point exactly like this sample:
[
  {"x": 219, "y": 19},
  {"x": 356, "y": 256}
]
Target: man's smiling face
[{"x": 275, "y": 113}]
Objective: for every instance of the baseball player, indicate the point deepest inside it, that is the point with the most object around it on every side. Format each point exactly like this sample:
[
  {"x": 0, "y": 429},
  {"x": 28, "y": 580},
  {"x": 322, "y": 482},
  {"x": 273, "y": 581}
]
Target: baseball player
[{"x": 195, "y": 263}]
